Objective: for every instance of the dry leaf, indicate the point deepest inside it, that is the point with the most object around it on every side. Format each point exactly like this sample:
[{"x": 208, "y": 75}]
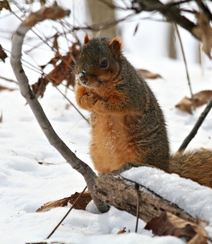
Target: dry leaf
[
  {"x": 65, "y": 70},
  {"x": 198, "y": 239},
  {"x": 185, "y": 105},
  {"x": 83, "y": 201},
  {"x": 148, "y": 74},
  {"x": 199, "y": 99},
  {"x": 61, "y": 71},
  {"x": 55, "y": 43},
  {"x": 81, "y": 204},
  {"x": 161, "y": 226},
  {"x": 40, "y": 86},
  {"x": 54, "y": 204},
  {"x": 5, "y": 88},
  {"x": 4, "y": 4},
  {"x": 202, "y": 97},
  {"x": 169, "y": 224},
  {"x": 3, "y": 55},
  {"x": 123, "y": 230},
  {"x": 56, "y": 76},
  {"x": 178, "y": 222},
  {"x": 204, "y": 32}
]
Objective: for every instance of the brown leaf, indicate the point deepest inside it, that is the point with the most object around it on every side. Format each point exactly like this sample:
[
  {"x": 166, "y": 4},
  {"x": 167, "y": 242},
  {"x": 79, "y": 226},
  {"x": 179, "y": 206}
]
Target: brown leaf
[
  {"x": 64, "y": 70},
  {"x": 201, "y": 236},
  {"x": 83, "y": 201},
  {"x": 40, "y": 86},
  {"x": 123, "y": 230},
  {"x": 198, "y": 239},
  {"x": 54, "y": 204},
  {"x": 4, "y": 4},
  {"x": 185, "y": 105},
  {"x": 161, "y": 226},
  {"x": 5, "y": 88},
  {"x": 148, "y": 74},
  {"x": 204, "y": 32},
  {"x": 61, "y": 71},
  {"x": 199, "y": 99},
  {"x": 3, "y": 55},
  {"x": 202, "y": 97},
  {"x": 55, "y": 43},
  {"x": 169, "y": 224},
  {"x": 81, "y": 204}
]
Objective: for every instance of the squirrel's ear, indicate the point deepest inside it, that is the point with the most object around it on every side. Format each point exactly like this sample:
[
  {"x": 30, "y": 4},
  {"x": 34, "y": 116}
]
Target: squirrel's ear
[
  {"x": 86, "y": 38},
  {"x": 116, "y": 46}
]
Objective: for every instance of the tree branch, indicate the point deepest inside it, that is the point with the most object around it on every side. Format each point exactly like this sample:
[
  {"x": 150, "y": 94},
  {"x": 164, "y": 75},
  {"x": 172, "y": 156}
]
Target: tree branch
[
  {"x": 121, "y": 193},
  {"x": 196, "y": 127},
  {"x": 172, "y": 14},
  {"x": 53, "y": 13},
  {"x": 171, "y": 11}
]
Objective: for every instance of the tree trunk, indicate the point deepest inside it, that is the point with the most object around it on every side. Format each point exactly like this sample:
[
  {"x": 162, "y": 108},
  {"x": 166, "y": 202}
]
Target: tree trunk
[{"x": 102, "y": 13}]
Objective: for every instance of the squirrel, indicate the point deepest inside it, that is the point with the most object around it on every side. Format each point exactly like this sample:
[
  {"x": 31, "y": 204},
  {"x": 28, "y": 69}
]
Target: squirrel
[{"x": 127, "y": 123}]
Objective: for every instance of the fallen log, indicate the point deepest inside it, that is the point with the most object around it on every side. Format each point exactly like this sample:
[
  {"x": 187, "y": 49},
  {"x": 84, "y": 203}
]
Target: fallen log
[{"x": 122, "y": 194}]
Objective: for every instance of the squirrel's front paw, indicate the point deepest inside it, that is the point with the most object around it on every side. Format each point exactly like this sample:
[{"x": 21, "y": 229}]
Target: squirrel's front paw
[{"x": 88, "y": 100}]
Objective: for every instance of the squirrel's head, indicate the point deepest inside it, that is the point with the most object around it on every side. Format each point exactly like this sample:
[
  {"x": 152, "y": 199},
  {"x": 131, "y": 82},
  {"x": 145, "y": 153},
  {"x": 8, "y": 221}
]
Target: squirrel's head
[{"x": 99, "y": 61}]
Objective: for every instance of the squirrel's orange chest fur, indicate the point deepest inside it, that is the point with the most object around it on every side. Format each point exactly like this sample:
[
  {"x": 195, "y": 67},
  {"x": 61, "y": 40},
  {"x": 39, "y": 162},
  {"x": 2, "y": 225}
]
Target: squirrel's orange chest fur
[
  {"x": 111, "y": 145},
  {"x": 110, "y": 142}
]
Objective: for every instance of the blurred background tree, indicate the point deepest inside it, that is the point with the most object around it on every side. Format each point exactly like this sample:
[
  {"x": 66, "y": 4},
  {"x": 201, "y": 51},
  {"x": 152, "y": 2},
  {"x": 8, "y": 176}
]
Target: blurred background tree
[{"x": 102, "y": 13}]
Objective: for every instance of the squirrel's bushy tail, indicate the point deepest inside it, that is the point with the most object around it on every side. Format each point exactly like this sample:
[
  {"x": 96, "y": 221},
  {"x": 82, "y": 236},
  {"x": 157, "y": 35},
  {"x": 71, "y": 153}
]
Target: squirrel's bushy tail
[{"x": 196, "y": 165}]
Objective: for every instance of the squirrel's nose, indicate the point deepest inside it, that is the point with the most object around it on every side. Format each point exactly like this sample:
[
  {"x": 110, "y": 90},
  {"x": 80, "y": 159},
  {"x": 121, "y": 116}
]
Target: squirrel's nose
[
  {"x": 81, "y": 74},
  {"x": 82, "y": 77}
]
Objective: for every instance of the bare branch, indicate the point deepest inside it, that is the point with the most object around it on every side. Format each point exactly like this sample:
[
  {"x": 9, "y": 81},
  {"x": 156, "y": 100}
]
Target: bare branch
[
  {"x": 193, "y": 132},
  {"x": 186, "y": 66},
  {"x": 53, "y": 13},
  {"x": 172, "y": 13}
]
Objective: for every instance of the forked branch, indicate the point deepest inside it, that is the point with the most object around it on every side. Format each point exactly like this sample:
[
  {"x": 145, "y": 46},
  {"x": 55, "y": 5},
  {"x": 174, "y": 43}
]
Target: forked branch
[{"x": 55, "y": 12}]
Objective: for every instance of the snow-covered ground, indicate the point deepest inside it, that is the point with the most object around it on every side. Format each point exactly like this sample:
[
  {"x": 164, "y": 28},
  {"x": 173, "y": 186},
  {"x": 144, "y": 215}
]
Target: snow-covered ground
[{"x": 25, "y": 184}]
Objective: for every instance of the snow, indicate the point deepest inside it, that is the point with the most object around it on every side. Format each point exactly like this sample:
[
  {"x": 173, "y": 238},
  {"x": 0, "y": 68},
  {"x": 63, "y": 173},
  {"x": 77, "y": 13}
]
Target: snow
[
  {"x": 26, "y": 184},
  {"x": 32, "y": 172}
]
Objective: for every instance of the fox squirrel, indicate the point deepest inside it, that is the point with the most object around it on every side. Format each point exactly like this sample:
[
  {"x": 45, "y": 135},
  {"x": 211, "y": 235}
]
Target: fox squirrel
[{"x": 126, "y": 120}]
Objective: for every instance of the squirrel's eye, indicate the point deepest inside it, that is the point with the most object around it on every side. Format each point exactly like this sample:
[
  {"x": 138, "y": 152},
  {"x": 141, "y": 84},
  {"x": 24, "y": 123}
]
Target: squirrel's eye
[{"x": 104, "y": 63}]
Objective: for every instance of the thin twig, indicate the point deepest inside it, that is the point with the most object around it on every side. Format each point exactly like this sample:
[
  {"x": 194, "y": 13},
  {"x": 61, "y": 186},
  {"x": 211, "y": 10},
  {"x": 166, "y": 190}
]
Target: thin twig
[
  {"x": 201, "y": 57},
  {"x": 75, "y": 202},
  {"x": 72, "y": 104},
  {"x": 186, "y": 66},
  {"x": 196, "y": 127},
  {"x": 137, "y": 207},
  {"x": 10, "y": 80}
]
